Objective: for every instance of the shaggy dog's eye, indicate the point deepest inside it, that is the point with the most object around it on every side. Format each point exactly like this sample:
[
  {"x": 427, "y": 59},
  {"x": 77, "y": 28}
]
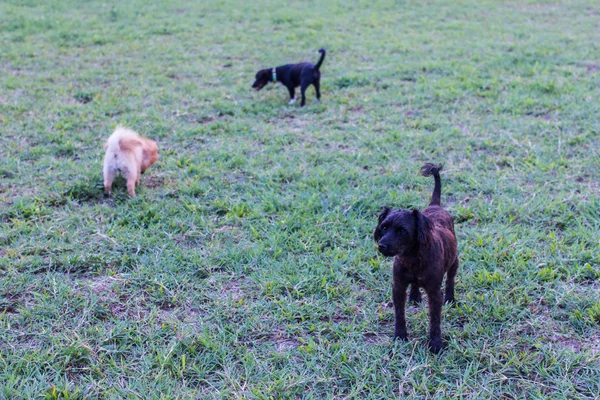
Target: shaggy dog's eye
[{"x": 384, "y": 228}]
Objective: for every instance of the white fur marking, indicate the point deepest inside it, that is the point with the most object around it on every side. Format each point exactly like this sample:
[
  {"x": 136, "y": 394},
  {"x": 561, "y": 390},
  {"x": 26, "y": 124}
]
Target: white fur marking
[{"x": 292, "y": 101}]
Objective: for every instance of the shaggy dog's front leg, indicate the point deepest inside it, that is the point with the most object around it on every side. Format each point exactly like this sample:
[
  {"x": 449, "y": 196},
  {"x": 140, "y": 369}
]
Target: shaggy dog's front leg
[
  {"x": 434, "y": 297},
  {"x": 399, "y": 297}
]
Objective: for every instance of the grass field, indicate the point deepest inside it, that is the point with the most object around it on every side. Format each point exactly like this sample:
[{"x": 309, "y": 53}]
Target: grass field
[{"x": 245, "y": 267}]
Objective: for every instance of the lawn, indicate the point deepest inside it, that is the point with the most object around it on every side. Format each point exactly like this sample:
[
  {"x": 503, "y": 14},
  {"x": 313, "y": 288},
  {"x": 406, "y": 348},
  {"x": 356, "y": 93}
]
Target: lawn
[{"x": 245, "y": 267}]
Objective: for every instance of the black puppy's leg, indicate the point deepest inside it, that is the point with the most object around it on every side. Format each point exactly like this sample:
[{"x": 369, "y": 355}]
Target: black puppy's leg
[
  {"x": 292, "y": 95},
  {"x": 399, "y": 297},
  {"x": 434, "y": 297},
  {"x": 317, "y": 84},
  {"x": 415, "y": 294},
  {"x": 449, "y": 298},
  {"x": 303, "y": 87}
]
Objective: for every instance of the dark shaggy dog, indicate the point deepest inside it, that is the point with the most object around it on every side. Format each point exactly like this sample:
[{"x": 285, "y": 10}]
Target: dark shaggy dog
[
  {"x": 291, "y": 76},
  {"x": 423, "y": 245}
]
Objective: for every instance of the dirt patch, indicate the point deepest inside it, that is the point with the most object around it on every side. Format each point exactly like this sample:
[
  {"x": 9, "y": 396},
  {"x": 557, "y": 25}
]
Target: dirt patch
[
  {"x": 282, "y": 342},
  {"x": 118, "y": 309},
  {"x": 560, "y": 334},
  {"x": 117, "y": 305},
  {"x": 153, "y": 181},
  {"x": 187, "y": 316},
  {"x": 23, "y": 342},
  {"x": 336, "y": 318},
  {"x": 374, "y": 338},
  {"x": 299, "y": 125},
  {"x": 543, "y": 114},
  {"x": 592, "y": 343},
  {"x": 10, "y": 303},
  {"x": 592, "y": 68},
  {"x": 411, "y": 113},
  {"x": 534, "y": 7},
  {"x": 347, "y": 149},
  {"x": 198, "y": 119},
  {"x": 232, "y": 288},
  {"x": 99, "y": 284},
  {"x": 285, "y": 345}
]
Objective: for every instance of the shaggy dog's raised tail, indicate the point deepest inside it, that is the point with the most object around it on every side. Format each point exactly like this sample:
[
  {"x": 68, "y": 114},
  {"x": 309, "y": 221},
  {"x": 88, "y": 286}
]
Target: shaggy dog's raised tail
[{"x": 432, "y": 169}]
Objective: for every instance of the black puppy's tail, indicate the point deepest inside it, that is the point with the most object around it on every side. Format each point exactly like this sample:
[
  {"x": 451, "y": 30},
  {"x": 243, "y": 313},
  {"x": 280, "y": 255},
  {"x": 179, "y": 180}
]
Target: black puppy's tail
[
  {"x": 318, "y": 65},
  {"x": 431, "y": 169}
]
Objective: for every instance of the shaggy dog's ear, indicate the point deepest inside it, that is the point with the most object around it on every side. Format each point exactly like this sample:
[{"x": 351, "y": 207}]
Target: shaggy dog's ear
[
  {"x": 384, "y": 213},
  {"x": 380, "y": 219},
  {"x": 423, "y": 227}
]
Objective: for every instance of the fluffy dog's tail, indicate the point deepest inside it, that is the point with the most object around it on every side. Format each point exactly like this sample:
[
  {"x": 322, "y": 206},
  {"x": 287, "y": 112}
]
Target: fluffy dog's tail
[
  {"x": 318, "y": 65},
  {"x": 432, "y": 169}
]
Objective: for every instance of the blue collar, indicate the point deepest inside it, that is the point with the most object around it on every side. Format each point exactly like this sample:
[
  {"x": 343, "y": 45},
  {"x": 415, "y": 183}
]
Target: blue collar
[{"x": 274, "y": 75}]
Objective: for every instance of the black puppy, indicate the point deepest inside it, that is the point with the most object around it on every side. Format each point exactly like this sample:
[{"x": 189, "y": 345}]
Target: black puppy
[
  {"x": 291, "y": 76},
  {"x": 424, "y": 247}
]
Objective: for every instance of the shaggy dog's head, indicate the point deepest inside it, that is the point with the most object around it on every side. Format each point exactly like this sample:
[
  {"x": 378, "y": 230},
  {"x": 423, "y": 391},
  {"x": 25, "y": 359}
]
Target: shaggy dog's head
[{"x": 401, "y": 232}]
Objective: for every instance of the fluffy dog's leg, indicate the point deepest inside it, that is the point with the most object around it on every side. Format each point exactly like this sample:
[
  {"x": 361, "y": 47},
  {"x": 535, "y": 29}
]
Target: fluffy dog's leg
[
  {"x": 399, "y": 297},
  {"x": 109, "y": 176},
  {"x": 434, "y": 297},
  {"x": 317, "y": 85},
  {"x": 449, "y": 297},
  {"x": 132, "y": 178}
]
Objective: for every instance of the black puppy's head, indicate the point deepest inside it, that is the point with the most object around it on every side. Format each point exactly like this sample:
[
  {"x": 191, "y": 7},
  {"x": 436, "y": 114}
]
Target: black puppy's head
[
  {"x": 400, "y": 232},
  {"x": 263, "y": 77}
]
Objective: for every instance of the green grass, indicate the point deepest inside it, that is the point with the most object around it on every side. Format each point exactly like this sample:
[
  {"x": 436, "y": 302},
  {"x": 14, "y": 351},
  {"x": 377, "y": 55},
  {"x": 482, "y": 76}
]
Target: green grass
[{"x": 245, "y": 267}]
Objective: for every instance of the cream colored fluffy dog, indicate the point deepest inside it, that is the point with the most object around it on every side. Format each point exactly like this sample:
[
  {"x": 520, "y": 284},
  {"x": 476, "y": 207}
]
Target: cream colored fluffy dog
[{"x": 128, "y": 153}]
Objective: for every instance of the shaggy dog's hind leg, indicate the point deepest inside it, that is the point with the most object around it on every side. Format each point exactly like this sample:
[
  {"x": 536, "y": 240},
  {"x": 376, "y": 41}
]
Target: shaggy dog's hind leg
[
  {"x": 415, "y": 294},
  {"x": 449, "y": 297}
]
